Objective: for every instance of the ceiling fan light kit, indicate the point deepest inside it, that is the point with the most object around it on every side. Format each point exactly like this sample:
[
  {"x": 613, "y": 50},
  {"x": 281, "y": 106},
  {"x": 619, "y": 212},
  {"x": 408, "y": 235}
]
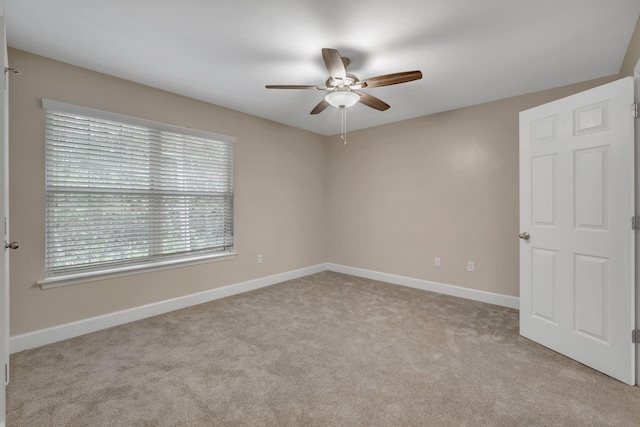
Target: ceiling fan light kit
[
  {"x": 342, "y": 98},
  {"x": 343, "y": 86}
]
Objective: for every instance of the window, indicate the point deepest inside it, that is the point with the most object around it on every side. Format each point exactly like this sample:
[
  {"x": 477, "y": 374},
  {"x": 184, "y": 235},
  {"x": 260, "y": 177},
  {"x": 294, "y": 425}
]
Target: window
[{"x": 126, "y": 193}]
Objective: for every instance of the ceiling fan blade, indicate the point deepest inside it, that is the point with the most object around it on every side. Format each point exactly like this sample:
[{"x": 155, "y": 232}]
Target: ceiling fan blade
[
  {"x": 320, "y": 107},
  {"x": 372, "y": 101},
  {"x": 333, "y": 61},
  {"x": 392, "y": 79},
  {"x": 292, "y": 87}
]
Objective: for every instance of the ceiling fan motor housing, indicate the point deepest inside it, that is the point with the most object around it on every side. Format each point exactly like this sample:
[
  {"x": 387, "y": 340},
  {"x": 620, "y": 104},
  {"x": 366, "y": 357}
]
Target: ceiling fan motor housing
[{"x": 337, "y": 82}]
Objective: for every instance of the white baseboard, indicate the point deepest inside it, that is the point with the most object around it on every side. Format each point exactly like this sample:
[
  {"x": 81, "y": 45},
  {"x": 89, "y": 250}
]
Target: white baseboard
[
  {"x": 74, "y": 329},
  {"x": 46, "y": 336},
  {"x": 441, "y": 288}
]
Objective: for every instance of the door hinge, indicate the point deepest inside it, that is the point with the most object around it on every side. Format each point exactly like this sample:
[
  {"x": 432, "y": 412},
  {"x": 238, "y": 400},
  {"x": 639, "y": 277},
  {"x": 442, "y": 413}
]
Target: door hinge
[
  {"x": 635, "y": 336},
  {"x": 634, "y": 110},
  {"x": 6, "y": 373},
  {"x": 635, "y": 222},
  {"x": 8, "y": 70}
]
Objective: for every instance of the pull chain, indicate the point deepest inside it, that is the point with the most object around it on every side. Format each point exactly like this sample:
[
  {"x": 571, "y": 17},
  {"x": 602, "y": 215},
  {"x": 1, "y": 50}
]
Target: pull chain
[{"x": 344, "y": 124}]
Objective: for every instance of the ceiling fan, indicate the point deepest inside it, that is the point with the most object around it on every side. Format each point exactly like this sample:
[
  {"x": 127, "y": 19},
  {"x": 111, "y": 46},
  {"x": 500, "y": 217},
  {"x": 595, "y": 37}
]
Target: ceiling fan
[{"x": 344, "y": 88}]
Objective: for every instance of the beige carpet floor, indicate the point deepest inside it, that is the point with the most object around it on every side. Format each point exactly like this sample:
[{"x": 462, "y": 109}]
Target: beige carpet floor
[{"x": 323, "y": 350}]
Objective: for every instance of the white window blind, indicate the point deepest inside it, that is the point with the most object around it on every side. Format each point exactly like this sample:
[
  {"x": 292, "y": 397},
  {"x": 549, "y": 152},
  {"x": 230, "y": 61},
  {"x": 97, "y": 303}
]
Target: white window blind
[{"x": 122, "y": 191}]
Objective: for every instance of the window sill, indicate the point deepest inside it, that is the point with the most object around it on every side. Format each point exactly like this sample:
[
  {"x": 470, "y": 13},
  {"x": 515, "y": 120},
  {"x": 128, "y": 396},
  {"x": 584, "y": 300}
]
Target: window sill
[{"x": 74, "y": 279}]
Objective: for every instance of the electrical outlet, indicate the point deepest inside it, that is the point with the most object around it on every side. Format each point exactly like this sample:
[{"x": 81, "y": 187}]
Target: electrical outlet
[
  {"x": 260, "y": 259},
  {"x": 471, "y": 266},
  {"x": 436, "y": 261}
]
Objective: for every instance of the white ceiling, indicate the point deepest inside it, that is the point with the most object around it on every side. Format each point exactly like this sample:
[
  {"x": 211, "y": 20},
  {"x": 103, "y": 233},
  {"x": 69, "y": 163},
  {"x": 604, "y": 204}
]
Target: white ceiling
[{"x": 225, "y": 52}]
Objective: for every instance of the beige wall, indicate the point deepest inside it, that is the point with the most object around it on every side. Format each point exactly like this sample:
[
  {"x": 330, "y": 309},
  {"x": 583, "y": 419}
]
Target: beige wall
[
  {"x": 279, "y": 194},
  {"x": 633, "y": 53},
  {"x": 444, "y": 185}
]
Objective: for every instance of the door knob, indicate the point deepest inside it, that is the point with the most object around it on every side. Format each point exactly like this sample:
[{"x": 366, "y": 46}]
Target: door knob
[
  {"x": 12, "y": 245},
  {"x": 525, "y": 236}
]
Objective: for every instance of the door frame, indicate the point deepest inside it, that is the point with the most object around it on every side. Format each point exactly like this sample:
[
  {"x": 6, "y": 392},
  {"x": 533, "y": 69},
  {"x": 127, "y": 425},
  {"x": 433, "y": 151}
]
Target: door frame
[
  {"x": 637, "y": 208},
  {"x": 4, "y": 194},
  {"x": 4, "y": 207}
]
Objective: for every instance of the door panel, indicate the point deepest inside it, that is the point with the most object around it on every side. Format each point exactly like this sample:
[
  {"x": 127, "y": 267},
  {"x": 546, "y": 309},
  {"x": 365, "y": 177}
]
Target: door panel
[
  {"x": 543, "y": 187},
  {"x": 591, "y": 282},
  {"x": 577, "y": 279},
  {"x": 543, "y": 298},
  {"x": 590, "y": 169}
]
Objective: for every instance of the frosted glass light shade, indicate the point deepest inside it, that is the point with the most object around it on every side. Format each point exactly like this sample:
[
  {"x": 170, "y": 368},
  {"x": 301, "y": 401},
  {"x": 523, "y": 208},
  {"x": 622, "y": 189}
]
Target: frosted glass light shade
[{"x": 342, "y": 98}]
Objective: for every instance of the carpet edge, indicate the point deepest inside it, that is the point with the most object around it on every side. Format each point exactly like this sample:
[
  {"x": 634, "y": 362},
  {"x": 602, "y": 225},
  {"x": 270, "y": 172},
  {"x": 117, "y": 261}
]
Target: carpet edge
[
  {"x": 69, "y": 330},
  {"x": 65, "y": 331},
  {"x": 426, "y": 285}
]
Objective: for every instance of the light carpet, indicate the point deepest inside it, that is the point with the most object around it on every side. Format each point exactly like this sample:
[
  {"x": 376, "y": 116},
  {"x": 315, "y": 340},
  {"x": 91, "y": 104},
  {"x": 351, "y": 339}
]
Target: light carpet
[{"x": 323, "y": 350}]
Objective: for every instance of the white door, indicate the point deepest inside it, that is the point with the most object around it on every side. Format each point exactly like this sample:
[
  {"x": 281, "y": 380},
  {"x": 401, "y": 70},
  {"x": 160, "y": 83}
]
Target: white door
[
  {"x": 4, "y": 209},
  {"x": 577, "y": 280}
]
